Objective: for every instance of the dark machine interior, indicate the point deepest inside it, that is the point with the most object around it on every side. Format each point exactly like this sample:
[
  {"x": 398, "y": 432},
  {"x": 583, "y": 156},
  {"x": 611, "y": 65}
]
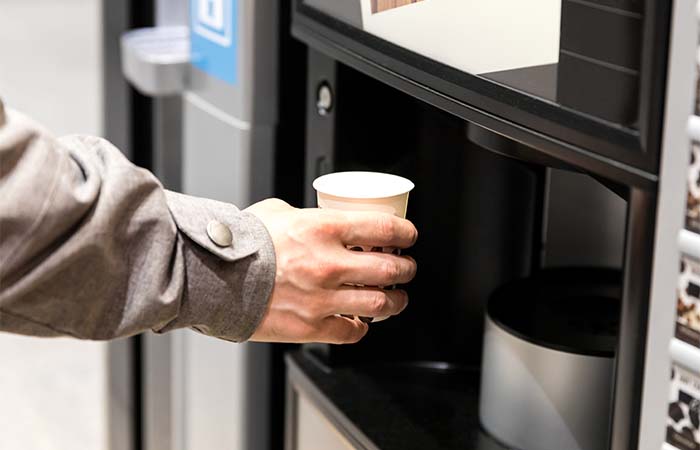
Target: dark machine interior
[{"x": 467, "y": 248}]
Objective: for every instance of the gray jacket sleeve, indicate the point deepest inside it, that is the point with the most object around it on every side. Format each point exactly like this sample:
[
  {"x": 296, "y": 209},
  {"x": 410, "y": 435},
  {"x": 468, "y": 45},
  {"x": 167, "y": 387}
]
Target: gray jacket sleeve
[{"x": 93, "y": 247}]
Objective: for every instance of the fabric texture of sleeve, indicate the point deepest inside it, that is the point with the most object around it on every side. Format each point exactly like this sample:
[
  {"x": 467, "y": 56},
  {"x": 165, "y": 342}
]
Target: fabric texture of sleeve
[{"x": 93, "y": 247}]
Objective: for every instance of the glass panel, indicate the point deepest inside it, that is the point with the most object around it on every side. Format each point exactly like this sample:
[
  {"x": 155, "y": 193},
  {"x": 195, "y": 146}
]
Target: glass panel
[{"x": 581, "y": 54}]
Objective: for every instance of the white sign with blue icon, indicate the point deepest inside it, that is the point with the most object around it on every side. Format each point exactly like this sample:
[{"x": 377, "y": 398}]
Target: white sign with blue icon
[{"x": 213, "y": 38}]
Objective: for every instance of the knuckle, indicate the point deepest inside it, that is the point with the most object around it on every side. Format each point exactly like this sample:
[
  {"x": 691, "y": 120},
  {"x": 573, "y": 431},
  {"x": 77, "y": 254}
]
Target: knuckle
[
  {"x": 386, "y": 227},
  {"x": 377, "y": 302},
  {"x": 326, "y": 227},
  {"x": 391, "y": 270},
  {"x": 323, "y": 269},
  {"x": 327, "y": 222}
]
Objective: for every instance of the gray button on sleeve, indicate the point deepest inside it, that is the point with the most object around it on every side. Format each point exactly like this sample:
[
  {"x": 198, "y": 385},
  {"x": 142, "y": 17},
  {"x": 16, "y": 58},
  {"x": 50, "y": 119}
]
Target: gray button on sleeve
[{"x": 219, "y": 233}]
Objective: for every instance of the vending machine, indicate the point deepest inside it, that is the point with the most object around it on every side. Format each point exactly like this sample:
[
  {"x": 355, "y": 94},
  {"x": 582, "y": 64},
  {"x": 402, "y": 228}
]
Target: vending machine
[
  {"x": 221, "y": 112},
  {"x": 542, "y": 316}
]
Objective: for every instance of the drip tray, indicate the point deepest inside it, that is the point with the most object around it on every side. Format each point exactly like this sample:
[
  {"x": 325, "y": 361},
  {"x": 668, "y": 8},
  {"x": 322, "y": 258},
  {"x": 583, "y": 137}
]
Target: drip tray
[{"x": 396, "y": 406}]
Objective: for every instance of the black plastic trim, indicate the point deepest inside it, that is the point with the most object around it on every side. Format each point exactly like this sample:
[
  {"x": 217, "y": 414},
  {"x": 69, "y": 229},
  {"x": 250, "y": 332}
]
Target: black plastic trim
[
  {"x": 620, "y": 154},
  {"x": 634, "y": 315}
]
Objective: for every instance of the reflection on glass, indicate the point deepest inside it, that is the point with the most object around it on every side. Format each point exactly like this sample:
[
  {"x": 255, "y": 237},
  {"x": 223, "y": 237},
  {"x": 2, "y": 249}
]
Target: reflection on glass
[{"x": 582, "y": 54}]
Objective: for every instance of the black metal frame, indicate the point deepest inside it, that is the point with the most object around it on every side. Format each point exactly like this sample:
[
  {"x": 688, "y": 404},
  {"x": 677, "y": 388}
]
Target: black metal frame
[
  {"x": 628, "y": 161},
  {"x": 128, "y": 118},
  {"x": 631, "y": 347},
  {"x": 626, "y": 156}
]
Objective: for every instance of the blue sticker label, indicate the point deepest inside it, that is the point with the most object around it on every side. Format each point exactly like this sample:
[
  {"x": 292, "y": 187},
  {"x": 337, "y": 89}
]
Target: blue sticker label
[{"x": 213, "y": 38}]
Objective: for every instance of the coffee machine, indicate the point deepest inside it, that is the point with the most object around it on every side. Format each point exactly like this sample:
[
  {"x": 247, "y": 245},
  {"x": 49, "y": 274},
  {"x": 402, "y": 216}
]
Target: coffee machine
[{"x": 541, "y": 136}]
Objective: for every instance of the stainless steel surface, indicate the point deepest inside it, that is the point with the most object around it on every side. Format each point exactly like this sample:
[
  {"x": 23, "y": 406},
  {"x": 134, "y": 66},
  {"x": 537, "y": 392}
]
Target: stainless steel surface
[
  {"x": 156, "y": 60},
  {"x": 120, "y": 408},
  {"x": 670, "y": 208},
  {"x": 221, "y": 390},
  {"x": 157, "y": 387},
  {"x": 324, "y": 99},
  {"x": 576, "y": 237},
  {"x": 117, "y": 129},
  {"x": 120, "y": 395},
  {"x": 253, "y": 98},
  {"x": 536, "y": 398},
  {"x": 163, "y": 363},
  {"x": 167, "y": 141},
  {"x": 224, "y": 158},
  {"x": 349, "y": 11},
  {"x": 172, "y": 12},
  {"x": 226, "y": 387}
]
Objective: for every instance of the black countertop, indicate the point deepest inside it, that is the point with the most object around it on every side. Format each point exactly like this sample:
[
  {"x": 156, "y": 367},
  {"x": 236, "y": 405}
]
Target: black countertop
[{"x": 397, "y": 406}]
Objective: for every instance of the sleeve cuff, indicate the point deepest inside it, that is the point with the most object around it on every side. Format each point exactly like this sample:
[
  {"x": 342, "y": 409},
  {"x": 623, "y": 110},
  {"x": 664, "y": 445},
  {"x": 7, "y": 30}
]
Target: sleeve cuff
[{"x": 226, "y": 289}]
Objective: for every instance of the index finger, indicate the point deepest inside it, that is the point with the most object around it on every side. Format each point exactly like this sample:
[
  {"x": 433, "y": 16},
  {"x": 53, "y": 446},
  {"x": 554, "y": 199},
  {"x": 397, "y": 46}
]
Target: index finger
[{"x": 377, "y": 229}]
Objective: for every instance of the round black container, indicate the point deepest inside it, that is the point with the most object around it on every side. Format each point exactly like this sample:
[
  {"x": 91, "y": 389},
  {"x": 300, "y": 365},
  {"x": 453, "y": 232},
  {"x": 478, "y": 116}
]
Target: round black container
[
  {"x": 548, "y": 357},
  {"x": 574, "y": 310}
]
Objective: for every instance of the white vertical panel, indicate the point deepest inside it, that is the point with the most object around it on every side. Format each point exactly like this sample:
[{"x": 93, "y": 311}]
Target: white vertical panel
[
  {"x": 314, "y": 432},
  {"x": 675, "y": 154},
  {"x": 52, "y": 391}
]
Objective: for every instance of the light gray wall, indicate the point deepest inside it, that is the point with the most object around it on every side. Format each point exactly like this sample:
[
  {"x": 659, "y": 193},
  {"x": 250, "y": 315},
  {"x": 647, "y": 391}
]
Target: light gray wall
[
  {"x": 52, "y": 392},
  {"x": 50, "y": 54}
]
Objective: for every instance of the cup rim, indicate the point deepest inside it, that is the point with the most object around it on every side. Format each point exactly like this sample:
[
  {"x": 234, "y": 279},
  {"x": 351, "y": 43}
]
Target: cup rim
[{"x": 392, "y": 185}]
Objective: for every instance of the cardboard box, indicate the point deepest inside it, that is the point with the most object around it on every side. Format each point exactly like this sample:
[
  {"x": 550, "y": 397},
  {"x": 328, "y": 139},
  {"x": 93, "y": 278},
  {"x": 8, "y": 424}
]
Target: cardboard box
[{"x": 683, "y": 418}]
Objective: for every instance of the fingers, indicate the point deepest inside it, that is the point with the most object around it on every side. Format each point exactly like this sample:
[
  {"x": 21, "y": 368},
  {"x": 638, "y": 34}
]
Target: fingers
[
  {"x": 341, "y": 330},
  {"x": 376, "y": 229},
  {"x": 367, "y": 302},
  {"x": 376, "y": 269},
  {"x": 289, "y": 327}
]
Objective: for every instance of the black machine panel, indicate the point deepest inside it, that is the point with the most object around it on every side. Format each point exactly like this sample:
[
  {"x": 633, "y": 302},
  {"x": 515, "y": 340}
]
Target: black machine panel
[{"x": 578, "y": 79}]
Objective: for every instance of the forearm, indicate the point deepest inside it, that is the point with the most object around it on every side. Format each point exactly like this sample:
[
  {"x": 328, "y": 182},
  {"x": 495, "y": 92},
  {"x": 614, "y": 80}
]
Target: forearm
[{"x": 93, "y": 247}]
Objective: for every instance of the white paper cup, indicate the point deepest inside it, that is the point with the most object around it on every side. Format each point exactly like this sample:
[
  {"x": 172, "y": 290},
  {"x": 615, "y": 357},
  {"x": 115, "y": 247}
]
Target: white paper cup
[{"x": 364, "y": 191}]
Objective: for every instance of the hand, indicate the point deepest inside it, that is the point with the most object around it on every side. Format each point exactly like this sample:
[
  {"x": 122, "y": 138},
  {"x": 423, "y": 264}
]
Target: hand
[{"x": 314, "y": 268}]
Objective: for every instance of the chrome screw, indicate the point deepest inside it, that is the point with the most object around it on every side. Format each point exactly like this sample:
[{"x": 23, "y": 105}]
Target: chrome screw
[{"x": 324, "y": 99}]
